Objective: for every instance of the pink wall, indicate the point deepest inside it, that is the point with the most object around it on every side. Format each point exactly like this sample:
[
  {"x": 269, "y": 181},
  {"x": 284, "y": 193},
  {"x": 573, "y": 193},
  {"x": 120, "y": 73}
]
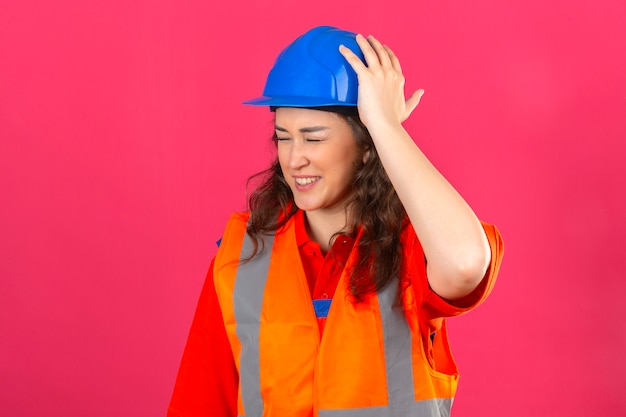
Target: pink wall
[{"x": 123, "y": 147}]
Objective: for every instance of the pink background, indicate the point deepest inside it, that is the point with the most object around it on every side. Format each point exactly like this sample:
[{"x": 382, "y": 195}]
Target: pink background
[{"x": 123, "y": 147}]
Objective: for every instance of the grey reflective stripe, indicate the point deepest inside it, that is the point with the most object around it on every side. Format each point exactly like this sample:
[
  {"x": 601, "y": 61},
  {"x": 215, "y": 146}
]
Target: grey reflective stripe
[
  {"x": 248, "y": 302},
  {"x": 439, "y": 407},
  {"x": 397, "y": 340},
  {"x": 399, "y": 368}
]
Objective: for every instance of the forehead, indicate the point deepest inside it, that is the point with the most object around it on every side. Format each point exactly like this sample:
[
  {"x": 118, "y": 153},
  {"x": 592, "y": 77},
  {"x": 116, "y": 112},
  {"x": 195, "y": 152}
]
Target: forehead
[{"x": 295, "y": 117}]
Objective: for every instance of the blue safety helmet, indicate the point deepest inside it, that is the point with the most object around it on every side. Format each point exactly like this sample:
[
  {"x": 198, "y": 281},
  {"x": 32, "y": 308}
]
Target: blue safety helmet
[{"x": 311, "y": 72}]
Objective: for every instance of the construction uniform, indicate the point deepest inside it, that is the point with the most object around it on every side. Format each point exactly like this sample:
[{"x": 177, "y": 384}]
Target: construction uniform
[{"x": 387, "y": 355}]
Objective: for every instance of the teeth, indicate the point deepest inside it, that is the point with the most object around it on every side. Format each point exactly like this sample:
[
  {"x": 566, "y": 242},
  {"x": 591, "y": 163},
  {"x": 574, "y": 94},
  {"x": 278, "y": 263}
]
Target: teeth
[{"x": 305, "y": 181}]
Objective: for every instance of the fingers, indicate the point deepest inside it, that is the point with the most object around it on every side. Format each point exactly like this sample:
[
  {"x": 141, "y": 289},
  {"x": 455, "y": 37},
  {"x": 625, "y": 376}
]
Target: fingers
[
  {"x": 413, "y": 101},
  {"x": 375, "y": 54},
  {"x": 353, "y": 60},
  {"x": 374, "y": 51},
  {"x": 395, "y": 62}
]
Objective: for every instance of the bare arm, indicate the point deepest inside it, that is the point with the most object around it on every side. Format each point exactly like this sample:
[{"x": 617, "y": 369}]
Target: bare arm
[{"x": 454, "y": 242}]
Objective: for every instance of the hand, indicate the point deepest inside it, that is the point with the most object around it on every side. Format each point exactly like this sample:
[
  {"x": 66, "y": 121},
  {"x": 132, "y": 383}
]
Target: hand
[{"x": 381, "y": 84}]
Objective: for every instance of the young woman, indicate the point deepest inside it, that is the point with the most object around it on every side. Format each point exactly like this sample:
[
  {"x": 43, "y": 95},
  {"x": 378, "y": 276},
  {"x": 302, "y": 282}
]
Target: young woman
[{"x": 329, "y": 297}]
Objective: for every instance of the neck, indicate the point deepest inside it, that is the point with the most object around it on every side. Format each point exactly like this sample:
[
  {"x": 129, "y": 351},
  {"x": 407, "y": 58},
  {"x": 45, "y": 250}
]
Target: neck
[{"x": 321, "y": 226}]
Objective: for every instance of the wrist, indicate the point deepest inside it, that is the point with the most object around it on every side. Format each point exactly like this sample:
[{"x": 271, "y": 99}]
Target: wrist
[{"x": 385, "y": 130}]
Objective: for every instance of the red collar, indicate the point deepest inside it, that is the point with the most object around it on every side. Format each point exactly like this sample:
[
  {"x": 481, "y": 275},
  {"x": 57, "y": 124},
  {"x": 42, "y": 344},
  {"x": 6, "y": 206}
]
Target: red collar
[{"x": 302, "y": 237}]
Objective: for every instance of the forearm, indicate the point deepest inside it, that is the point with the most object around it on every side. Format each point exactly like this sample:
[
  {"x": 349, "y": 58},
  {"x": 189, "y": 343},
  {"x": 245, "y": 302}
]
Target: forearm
[{"x": 454, "y": 242}]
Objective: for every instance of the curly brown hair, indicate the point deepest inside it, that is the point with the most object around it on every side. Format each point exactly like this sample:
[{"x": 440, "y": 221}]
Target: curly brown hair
[{"x": 375, "y": 209}]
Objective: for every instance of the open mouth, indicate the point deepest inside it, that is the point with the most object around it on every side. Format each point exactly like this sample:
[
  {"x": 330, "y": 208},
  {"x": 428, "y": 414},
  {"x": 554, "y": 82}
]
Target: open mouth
[{"x": 306, "y": 181}]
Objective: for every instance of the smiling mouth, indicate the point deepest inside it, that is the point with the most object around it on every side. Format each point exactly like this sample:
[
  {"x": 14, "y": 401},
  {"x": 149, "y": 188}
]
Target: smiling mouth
[{"x": 306, "y": 181}]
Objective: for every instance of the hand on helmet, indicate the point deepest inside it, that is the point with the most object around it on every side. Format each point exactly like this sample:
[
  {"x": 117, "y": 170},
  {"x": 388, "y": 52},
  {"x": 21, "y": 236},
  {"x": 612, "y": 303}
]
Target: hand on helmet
[{"x": 381, "y": 84}]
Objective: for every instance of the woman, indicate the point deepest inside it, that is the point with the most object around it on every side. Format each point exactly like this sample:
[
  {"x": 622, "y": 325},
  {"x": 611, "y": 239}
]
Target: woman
[{"x": 328, "y": 298}]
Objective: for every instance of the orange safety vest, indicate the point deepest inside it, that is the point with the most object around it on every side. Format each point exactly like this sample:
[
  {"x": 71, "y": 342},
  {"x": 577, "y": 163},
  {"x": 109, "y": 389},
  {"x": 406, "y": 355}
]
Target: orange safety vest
[{"x": 370, "y": 362}]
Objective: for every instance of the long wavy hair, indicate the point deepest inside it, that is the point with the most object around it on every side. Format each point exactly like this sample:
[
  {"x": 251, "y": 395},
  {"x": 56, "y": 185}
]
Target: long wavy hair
[{"x": 374, "y": 208}]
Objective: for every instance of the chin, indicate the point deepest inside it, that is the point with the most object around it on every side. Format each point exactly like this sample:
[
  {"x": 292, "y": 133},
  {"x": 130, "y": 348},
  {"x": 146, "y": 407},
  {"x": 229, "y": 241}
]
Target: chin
[{"x": 307, "y": 207}]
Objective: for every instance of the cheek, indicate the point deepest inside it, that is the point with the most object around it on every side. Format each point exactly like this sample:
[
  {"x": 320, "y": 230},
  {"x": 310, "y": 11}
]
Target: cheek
[
  {"x": 282, "y": 158},
  {"x": 345, "y": 173},
  {"x": 351, "y": 162}
]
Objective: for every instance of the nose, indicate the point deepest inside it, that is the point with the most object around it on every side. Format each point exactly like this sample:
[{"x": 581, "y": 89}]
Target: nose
[{"x": 297, "y": 155}]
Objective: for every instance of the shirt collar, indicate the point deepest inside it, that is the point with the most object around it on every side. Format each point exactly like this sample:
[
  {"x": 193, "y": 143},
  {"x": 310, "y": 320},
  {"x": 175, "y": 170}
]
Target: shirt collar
[{"x": 302, "y": 237}]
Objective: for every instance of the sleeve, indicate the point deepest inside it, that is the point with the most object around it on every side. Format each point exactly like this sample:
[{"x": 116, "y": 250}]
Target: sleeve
[
  {"x": 436, "y": 307},
  {"x": 207, "y": 380}
]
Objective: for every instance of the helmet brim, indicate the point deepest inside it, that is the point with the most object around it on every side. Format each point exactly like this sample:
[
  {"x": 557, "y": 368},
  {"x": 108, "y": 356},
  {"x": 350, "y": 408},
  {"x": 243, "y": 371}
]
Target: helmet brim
[{"x": 295, "y": 102}]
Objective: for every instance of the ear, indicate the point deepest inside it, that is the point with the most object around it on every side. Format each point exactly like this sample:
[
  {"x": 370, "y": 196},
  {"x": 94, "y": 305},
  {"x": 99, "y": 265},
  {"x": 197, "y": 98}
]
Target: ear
[{"x": 366, "y": 155}]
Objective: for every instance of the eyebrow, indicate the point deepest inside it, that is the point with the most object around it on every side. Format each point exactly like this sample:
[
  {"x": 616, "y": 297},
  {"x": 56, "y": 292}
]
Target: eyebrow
[{"x": 309, "y": 129}]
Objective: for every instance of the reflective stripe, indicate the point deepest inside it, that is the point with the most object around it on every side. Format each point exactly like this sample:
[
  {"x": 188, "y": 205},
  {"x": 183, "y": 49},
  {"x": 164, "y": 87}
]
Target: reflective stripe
[
  {"x": 439, "y": 407},
  {"x": 398, "y": 361},
  {"x": 248, "y": 302}
]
